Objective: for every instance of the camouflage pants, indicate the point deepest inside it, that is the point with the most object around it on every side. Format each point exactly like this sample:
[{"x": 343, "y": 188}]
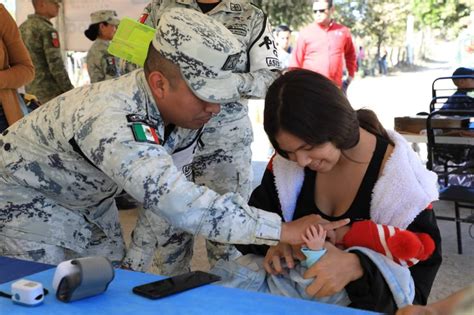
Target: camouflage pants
[
  {"x": 100, "y": 245},
  {"x": 223, "y": 164}
]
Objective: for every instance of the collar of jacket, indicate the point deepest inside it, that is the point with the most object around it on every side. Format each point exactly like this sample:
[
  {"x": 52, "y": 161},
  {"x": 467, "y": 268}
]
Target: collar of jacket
[
  {"x": 403, "y": 173},
  {"x": 37, "y": 16}
]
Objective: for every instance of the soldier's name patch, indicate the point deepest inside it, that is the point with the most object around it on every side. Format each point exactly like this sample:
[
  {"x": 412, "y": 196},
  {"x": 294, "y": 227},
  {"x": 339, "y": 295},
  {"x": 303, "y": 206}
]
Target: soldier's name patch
[
  {"x": 241, "y": 31},
  {"x": 137, "y": 118},
  {"x": 144, "y": 133},
  {"x": 272, "y": 62}
]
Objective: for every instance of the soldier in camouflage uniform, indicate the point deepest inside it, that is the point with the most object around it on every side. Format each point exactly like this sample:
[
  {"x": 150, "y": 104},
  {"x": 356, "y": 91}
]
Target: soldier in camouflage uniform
[
  {"x": 224, "y": 161},
  {"x": 61, "y": 166},
  {"x": 42, "y": 41},
  {"x": 100, "y": 64}
]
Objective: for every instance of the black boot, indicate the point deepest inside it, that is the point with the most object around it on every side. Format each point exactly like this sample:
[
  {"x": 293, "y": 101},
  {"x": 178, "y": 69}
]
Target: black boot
[{"x": 125, "y": 202}]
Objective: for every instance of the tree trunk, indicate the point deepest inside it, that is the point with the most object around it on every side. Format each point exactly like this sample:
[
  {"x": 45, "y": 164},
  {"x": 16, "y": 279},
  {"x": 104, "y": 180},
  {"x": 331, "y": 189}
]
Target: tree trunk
[{"x": 422, "y": 45}]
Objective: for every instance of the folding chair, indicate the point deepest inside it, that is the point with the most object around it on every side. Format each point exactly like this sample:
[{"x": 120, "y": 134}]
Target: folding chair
[{"x": 463, "y": 197}]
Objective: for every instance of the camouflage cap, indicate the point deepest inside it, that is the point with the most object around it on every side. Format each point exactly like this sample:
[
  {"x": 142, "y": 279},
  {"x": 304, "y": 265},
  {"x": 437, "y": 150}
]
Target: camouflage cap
[
  {"x": 205, "y": 51},
  {"x": 109, "y": 16}
]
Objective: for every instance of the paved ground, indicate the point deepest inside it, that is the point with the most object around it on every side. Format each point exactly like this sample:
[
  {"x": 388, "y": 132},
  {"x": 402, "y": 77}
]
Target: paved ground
[{"x": 398, "y": 94}]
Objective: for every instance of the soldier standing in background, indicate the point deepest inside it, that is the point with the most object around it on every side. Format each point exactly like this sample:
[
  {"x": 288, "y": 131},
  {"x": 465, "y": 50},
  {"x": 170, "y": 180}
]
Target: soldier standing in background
[
  {"x": 100, "y": 64},
  {"x": 224, "y": 160},
  {"x": 42, "y": 41}
]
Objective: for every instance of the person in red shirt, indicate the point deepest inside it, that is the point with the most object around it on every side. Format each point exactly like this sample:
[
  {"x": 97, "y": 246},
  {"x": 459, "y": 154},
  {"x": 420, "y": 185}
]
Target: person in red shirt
[{"x": 325, "y": 45}]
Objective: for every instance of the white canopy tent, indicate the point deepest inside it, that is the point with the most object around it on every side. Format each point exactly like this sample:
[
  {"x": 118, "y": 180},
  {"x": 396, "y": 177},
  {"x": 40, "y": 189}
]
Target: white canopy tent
[
  {"x": 73, "y": 20},
  {"x": 74, "y": 17}
]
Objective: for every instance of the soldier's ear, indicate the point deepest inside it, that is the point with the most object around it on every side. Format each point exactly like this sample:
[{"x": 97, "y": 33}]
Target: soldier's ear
[{"x": 159, "y": 84}]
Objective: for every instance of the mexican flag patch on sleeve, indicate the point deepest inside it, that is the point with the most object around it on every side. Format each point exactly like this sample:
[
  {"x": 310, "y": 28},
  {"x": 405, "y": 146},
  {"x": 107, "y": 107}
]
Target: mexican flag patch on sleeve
[{"x": 145, "y": 133}]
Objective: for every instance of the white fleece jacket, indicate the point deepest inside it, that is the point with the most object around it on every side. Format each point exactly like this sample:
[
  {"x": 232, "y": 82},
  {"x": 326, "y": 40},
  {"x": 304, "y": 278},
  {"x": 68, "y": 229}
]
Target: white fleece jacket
[{"x": 404, "y": 189}]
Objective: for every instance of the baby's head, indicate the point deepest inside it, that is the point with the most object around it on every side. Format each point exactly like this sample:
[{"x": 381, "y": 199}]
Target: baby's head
[{"x": 464, "y": 83}]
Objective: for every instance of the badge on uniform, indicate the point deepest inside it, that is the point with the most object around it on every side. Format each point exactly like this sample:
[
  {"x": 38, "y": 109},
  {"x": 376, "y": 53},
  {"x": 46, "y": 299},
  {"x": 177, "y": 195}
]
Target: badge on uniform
[
  {"x": 143, "y": 18},
  {"x": 235, "y": 7},
  {"x": 238, "y": 29},
  {"x": 272, "y": 62},
  {"x": 231, "y": 62},
  {"x": 55, "y": 39},
  {"x": 110, "y": 60},
  {"x": 144, "y": 133},
  {"x": 111, "y": 69},
  {"x": 268, "y": 43}
]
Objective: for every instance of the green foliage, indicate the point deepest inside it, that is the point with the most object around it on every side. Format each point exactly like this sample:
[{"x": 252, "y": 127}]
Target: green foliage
[
  {"x": 441, "y": 14},
  {"x": 380, "y": 22},
  {"x": 294, "y": 13}
]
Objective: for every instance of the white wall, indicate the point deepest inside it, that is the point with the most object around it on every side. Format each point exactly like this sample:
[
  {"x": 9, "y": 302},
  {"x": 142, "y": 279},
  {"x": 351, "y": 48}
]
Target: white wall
[{"x": 76, "y": 17}]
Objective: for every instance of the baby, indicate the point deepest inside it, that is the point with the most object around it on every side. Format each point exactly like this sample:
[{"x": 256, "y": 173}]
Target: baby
[{"x": 402, "y": 246}]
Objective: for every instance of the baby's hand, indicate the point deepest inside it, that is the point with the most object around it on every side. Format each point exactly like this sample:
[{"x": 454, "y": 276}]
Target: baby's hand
[{"x": 314, "y": 237}]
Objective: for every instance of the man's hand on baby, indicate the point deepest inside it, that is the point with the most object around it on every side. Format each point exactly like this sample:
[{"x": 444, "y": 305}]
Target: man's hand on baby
[
  {"x": 335, "y": 230},
  {"x": 291, "y": 231},
  {"x": 314, "y": 237}
]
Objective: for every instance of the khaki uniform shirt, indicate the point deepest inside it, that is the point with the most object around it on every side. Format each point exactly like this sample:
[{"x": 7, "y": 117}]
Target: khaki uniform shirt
[
  {"x": 42, "y": 41},
  {"x": 100, "y": 64}
]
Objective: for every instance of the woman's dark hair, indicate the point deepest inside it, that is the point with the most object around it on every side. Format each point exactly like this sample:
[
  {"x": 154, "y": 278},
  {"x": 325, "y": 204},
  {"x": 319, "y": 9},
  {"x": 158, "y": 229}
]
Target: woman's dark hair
[
  {"x": 93, "y": 31},
  {"x": 312, "y": 108}
]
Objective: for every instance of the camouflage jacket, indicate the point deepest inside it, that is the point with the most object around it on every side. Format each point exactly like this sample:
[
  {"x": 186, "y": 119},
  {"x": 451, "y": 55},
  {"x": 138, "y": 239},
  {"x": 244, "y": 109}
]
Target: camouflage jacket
[
  {"x": 250, "y": 25},
  {"x": 62, "y": 166},
  {"x": 42, "y": 41},
  {"x": 100, "y": 64}
]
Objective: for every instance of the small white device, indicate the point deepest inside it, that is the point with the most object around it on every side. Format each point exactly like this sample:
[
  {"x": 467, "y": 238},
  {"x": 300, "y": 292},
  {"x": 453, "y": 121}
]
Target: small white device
[{"x": 27, "y": 292}]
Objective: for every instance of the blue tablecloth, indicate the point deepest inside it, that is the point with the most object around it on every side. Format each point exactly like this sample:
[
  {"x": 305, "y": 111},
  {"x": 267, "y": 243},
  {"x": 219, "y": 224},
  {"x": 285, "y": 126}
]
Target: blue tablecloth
[
  {"x": 209, "y": 299},
  {"x": 11, "y": 269}
]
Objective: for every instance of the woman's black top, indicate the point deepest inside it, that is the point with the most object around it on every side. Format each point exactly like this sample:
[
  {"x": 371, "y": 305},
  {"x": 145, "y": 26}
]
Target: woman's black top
[{"x": 359, "y": 209}]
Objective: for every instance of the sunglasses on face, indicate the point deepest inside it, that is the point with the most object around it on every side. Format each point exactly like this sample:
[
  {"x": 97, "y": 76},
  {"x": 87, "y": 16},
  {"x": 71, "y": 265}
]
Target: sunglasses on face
[{"x": 320, "y": 11}]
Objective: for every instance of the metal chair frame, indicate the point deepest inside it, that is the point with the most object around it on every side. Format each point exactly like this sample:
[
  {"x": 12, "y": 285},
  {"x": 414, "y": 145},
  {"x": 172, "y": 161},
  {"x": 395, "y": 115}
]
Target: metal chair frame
[{"x": 463, "y": 197}]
